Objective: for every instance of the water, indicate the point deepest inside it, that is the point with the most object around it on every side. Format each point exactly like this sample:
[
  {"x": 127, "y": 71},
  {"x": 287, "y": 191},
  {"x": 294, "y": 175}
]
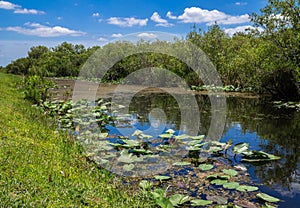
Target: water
[{"x": 275, "y": 131}]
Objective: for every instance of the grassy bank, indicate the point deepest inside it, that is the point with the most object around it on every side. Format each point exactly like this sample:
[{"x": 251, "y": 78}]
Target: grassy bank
[{"x": 41, "y": 167}]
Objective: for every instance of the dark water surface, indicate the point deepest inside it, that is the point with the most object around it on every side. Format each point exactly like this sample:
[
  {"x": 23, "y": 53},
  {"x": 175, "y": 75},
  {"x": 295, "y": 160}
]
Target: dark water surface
[{"x": 255, "y": 121}]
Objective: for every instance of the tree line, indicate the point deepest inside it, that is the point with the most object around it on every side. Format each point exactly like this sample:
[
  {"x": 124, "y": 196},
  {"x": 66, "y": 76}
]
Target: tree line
[{"x": 264, "y": 60}]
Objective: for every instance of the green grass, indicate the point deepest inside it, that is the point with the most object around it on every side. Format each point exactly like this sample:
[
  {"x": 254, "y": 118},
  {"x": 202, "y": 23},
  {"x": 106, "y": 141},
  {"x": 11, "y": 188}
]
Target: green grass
[{"x": 43, "y": 167}]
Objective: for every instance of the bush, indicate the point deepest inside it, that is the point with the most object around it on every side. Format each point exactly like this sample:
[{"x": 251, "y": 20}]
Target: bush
[{"x": 36, "y": 88}]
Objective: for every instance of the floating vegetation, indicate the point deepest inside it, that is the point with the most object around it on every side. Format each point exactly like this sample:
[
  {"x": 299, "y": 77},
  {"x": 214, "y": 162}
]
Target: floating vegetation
[
  {"x": 267, "y": 197},
  {"x": 184, "y": 165},
  {"x": 227, "y": 88},
  {"x": 290, "y": 105}
]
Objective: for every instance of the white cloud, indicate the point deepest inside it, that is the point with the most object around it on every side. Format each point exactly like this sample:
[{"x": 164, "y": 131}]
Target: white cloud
[
  {"x": 243, "y": 29},
  {"x": 170, "y": 16},
  {"x": 96, "y": 14},
  {"x": 127, "y": 22},
  {"x": 160, "y": 21},
  {"x": 117, "y": 35},
  {"x": 37, "y": 29},
  {"x": 146, "y": 35},
  {"x": 18, "y": 9},
  {"x": 28, "y": 11},
  {"x": 198, "y": 15},
  {"x": 7, "y": 5},
  {"x": 235, "y": 19},
  {"x": 101, "y": 39},
  {"x": 59, "y": 18},
  {"x": 241, "y": 3}
]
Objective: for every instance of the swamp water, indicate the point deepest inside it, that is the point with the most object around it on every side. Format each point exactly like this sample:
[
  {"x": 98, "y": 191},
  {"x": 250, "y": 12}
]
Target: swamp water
[{"x": 257, "y": 122}]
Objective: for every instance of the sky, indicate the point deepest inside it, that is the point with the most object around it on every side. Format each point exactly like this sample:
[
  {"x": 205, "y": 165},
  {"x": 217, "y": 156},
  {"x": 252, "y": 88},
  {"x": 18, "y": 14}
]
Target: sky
[{"x": 24, "y": 24}]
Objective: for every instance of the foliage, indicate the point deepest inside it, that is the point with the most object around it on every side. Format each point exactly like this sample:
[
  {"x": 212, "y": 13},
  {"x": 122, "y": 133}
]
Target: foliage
[{"x": 36, "y": 88}]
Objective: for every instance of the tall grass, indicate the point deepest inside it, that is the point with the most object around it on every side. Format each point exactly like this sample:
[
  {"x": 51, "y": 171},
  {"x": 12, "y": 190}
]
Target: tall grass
[{"x": 43, "y": 167}]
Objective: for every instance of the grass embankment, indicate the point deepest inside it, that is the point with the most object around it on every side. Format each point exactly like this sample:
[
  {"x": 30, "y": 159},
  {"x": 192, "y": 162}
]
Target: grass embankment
[{"x": 41, "y": 167}]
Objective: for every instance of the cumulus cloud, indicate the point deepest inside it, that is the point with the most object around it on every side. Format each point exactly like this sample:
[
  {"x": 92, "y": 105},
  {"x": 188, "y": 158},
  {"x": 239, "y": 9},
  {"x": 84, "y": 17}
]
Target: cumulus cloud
[
  {"x": 146, "y": 35},
  {"x": 116, "y": 35},
  {"x": 160, "y": 21},
  {"x": 18, "y": 9},
  {"x": 127, "y": 22},
  {"x": 243, "y": 29},
  {"x": 170, "y": 16},
  {"x": 7, "y": 5},
  {"x": 96, "y": 14},
  {"x": 36, "y": 29},
  {"x": 198, "y": 15}
]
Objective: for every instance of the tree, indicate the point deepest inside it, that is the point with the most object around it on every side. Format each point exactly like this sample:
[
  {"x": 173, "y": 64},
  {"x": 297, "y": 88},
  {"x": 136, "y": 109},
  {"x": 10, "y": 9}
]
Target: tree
[{"x": 280, "y": 20}]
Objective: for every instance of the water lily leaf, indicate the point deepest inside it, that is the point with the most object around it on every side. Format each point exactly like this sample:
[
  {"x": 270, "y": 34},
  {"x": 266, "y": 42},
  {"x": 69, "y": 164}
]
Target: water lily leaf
[
  {"x": 267, "y": 197},
  {"x": 206, "y": 167},
  {"x": 199, "y": 137},
  {"x": 170, "y": 131},
  {"x": 220, "y": 144},
  {"x": 145, "y": 136},
  {"x": 218, "y": 182},
  {"x": 247, "y": 188},
  {"x": 194, "y": 142},
  {"x": 181, "y": 163},
  {"x": 125, "y": 159},
  {"x": 214, "y": 149},
  {"x": 137, "y": 132},
  {"x": 217, "y": 176},
  {"x": 178, "y": 199},
  {"x": 200, "y": 202},
  {"x": 240, "y": 147},
  {"x": 218, "y": 199},
  {"x": 146, "y": 185},
  {"x": 231, "y": 185},
  {"x": 166, "y": 136},
  {"x": 182, "y": 136},
  {"x": 230, "y": 172},
  {"x": 128, "y": 167},
  {"x": 268, "y": 206},
  {"x": 192, "y": 148},
  {"x": 132, "y": 143},
  {"x": 258, "y": 156},
  {"x": 162, "y": 178},
  {"x": 141, "y": 151}
]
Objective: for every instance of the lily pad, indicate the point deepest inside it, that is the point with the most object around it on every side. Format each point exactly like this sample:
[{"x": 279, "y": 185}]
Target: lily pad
[
  {"x": 178, "y": 199},
  {"x": 181, "y": 163},
  {"x": 267, "y": 197},
  {"x": 170, "y": 131},
  {"x": 258, "y": 156},
  {"x": 200, "y": 202},
  {"x": 166, "y": 136},
  {"x": 240, "y": 147},
  {"x": 218, "y": 182},
  {"x": 231, "y": 185},
  {"x": 230, "y": 172},
  {"x": 247, "y": 188},
  {"x": 218, "y": 199},
  {"x": 206, "y": 167},
  {"x": 182, "y": 136},
  {"x": 199, "y": 137},
  {"x": 128, "y": 167},
  {"x": 162, "y": 178},
  {"x": 217, "y": 176}
]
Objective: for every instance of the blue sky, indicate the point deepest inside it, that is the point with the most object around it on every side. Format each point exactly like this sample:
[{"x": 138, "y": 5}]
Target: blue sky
[{"x": 95, "y": 22}]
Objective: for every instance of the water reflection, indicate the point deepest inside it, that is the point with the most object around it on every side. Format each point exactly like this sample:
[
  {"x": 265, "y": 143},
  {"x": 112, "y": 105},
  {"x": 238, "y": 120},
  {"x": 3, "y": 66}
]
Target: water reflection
[{"x": 255, "y": 121}]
